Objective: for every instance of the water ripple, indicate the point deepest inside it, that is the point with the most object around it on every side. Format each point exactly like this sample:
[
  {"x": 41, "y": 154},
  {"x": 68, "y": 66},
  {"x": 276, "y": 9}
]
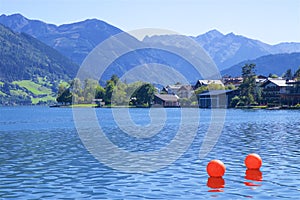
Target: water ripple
[{"x": 48, "y": 161}]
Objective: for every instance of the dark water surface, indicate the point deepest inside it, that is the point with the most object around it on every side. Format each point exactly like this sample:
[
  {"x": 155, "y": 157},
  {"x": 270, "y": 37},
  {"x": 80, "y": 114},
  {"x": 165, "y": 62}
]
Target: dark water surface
[{"x": 42, "y": 157}]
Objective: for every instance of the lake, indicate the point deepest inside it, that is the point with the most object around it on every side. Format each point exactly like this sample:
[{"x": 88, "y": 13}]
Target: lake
[{"x": 42, "y": 156}]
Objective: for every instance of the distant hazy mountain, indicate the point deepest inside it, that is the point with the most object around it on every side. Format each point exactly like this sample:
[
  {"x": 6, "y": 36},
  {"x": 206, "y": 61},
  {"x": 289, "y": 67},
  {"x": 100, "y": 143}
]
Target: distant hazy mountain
[
  {"x": 74, "y": 40},
  {"x": 23, "y": 57},
  {"x": 156, "y": 63},
  {"x": 274, "y": 64},
  {"x": 228, "y": 50},
  {"x": 78, "y": 39}
]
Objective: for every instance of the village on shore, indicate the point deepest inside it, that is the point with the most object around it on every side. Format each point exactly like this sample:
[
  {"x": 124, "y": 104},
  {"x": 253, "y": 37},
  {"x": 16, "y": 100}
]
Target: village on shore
[
  {"x": 248, "y": 91},
  {"x": 274, "y": 93}
]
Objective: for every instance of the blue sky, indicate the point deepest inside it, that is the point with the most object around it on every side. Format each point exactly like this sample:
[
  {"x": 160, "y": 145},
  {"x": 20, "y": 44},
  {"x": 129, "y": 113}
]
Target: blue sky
[{"x": 271, "y": 21}]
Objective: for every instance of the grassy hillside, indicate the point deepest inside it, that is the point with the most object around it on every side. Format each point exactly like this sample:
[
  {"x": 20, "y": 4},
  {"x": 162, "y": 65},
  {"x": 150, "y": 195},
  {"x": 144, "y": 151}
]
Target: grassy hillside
[
  {"x": 33, "y": 87},
  {"x": 26, "y": 92},
  {"x": 30, "y": 71}
]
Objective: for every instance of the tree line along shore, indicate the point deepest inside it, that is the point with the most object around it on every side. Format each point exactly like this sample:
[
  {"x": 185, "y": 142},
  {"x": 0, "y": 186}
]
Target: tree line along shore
[{"x": 247, "y": 91}]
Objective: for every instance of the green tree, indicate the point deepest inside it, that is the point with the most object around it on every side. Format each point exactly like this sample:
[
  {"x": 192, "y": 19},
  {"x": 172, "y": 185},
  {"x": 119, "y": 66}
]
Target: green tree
[
  {"x": 230, "y": 87},
  {"x": 119, "y": 94},
  {"x": 64, "y": 95},
  {"x": 273, "y": 75},
  {"x": 247, "y": 88},
  {"x": 109, "y": 89},
  {"x": 76, "y": 89},
  {"x": 132, "y": 87},
  {"x": 61, "y": 88},
  {"x": 145, "y": 94},
  {"x": 131, "y": 91},
  {"x": 100, "y": 92},
  {"x": 297, "y": 74},
  {"x": 201, "y": 89},
  {"x": 288, "y": 74},
  {"x": 234, "y": 101},
  {"x": 115, "y": 79},
  {"x": 89, "y": 91},
  {"x": 212, "y": 86}
]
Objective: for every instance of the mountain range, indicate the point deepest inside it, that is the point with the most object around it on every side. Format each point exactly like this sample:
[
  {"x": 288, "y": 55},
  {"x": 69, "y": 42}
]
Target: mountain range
[
  {"x": 230, "y": 49},
  {"x": 24, "y": 57},
  {"x": 76, "y": 40},
  {"x": 276, "y": 64},
  {"x": 29, "y": 69},
  {"x": 45, "y": 54}
]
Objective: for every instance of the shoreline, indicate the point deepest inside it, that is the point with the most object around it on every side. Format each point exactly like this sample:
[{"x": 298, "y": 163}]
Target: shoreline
[
  {"x": 110, "y": 106},
  {"x": 240, "y": 107}
]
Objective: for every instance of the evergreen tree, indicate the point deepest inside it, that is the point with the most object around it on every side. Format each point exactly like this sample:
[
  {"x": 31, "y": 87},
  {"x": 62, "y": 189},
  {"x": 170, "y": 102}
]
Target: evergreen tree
[
  {"x": 297, "y": 74},
  {"x": 247, "y": 88},
  {"x": 288, "y": 74},
  {"x": 115, "y": 79},
  {"x": 109, "y": 89},
  {"x": 64, "y": 95}
]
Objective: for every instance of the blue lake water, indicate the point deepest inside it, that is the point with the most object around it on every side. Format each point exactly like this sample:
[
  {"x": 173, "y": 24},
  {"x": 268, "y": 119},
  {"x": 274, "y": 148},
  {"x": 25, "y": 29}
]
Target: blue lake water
[{"x": 43, "y": 157}]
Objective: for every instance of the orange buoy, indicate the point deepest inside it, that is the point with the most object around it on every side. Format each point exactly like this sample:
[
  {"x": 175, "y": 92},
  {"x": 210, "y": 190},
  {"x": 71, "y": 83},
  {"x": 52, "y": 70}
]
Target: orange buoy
[
  {"x": 253, "y": 161},
  {"x": 215, "y": 168}
]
